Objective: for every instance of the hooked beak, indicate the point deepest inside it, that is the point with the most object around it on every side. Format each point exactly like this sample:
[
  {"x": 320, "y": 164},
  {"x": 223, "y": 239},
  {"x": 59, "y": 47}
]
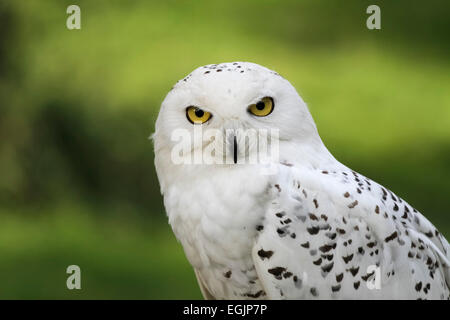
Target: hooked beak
[{"x": 235, "y": 154}]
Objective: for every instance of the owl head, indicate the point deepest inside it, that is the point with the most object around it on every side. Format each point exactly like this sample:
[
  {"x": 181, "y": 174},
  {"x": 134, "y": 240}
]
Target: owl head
[{"x": 228, "y": 110}]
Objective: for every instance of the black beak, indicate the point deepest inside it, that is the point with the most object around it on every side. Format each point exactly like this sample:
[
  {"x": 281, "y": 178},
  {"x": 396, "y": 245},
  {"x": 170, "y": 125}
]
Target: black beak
[{"x": 234, "y": 150}]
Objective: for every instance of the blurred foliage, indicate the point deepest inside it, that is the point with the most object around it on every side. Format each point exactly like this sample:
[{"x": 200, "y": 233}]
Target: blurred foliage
[{"x": 78, "y": 184}]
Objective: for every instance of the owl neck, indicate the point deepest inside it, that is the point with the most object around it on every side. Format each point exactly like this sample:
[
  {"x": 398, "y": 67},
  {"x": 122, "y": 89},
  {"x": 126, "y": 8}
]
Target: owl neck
[
  {"x": 310, "y": 154},
  {"x": 306, "y": 154}
]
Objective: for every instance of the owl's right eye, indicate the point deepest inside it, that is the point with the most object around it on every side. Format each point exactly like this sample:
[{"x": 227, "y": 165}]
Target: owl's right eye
[{"x": 196, "y": 115}]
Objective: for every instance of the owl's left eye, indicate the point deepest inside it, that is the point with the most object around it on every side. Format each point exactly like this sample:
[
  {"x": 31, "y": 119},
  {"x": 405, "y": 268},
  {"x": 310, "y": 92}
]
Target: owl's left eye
[
  {"x": 262, "y": 108},
  {"x": 196, "y": 115}
]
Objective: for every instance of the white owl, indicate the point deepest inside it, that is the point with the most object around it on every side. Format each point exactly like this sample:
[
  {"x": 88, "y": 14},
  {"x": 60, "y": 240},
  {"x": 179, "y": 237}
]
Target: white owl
[{"x": 311, "y": 229}]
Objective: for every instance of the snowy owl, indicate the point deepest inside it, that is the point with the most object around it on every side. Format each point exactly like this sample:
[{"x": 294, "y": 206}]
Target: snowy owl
[{"x": 308, "y": 228}]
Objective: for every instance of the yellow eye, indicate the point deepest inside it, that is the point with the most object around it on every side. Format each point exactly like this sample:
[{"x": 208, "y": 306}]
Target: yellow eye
[
  {"x": 197, "y": 116},
  {"x": 262, "y": 108}
]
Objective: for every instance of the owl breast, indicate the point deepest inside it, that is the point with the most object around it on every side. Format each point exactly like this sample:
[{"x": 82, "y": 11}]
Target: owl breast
[{"x": 216, "y": 219}]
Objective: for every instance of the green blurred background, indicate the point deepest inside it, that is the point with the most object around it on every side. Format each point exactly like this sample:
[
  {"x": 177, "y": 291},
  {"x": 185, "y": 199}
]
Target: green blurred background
[{"x": 77, "y": 180}]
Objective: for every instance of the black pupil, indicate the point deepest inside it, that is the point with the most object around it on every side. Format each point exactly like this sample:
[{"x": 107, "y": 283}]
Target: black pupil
[
  {"x": 199, "y": 113},
  {"x": 260, "y": 105}
]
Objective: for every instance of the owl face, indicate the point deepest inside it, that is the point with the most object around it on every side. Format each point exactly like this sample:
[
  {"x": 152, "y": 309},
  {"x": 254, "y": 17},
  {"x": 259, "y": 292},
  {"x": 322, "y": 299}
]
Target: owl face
[{"x": 237, "y": 107}]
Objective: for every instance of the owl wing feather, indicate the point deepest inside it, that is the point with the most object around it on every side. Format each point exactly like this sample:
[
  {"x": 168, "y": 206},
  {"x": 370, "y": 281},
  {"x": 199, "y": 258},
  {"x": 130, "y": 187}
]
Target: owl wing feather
[
  {"x": 338, "y": 235},
  {"x": 203, "y": 289}
]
